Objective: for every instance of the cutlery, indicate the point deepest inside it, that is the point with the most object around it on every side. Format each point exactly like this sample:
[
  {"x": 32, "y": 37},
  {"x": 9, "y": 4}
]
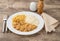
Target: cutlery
[
  {"x": 4, "y": 29},
  {"x": 6, "y": 25}
]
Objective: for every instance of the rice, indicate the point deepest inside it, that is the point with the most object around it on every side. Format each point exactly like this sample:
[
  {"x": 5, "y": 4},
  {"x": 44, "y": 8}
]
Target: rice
[{"x": 31, "y": 19}]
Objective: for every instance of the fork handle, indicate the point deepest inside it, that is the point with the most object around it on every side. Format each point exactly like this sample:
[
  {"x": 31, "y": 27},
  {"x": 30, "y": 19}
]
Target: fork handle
[{"x": 4, "y": 26}]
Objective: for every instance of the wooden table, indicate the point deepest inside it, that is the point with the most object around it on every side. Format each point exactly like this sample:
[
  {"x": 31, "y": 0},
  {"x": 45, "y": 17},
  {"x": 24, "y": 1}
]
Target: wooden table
[{"x": 8, "y": 7}]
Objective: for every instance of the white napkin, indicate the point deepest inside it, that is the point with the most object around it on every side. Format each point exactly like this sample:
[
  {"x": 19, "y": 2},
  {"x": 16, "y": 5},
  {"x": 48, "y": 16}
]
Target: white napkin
[{"x": 50, "y": 22}]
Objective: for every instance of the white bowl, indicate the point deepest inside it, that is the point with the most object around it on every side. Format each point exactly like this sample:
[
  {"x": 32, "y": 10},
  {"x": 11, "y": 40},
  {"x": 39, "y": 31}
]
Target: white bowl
[{"x": 39, "y": 28}]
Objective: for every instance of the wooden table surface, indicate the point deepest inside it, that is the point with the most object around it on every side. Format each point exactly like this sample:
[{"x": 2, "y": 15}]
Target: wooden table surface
[{"x": 8, "y": 7}]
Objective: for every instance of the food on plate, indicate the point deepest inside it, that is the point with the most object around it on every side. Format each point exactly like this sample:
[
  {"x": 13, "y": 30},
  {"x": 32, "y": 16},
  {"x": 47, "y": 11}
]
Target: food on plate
[
  {"x": 20, "y": 22},
  {"x": 31, "y": 19}
]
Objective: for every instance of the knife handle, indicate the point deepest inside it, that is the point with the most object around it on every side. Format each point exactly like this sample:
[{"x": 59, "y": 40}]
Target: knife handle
[{"x": 6, "y": 27}]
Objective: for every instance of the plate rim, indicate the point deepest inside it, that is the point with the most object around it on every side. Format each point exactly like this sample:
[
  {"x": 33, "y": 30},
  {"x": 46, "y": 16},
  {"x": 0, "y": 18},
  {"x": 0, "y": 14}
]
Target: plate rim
[{"x": 25, "y": 32}]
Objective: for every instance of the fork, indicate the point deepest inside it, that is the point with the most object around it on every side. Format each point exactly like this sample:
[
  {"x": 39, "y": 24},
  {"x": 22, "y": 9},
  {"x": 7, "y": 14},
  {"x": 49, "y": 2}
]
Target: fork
[{"x": 4, "y": 29}]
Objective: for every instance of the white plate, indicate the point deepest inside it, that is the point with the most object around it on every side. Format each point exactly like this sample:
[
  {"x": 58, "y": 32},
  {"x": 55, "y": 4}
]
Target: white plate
[{"x": 39, "y": 28}]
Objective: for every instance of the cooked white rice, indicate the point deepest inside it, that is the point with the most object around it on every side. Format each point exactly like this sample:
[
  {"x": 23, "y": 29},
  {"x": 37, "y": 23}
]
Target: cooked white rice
[{"x": 32, "y": 19}]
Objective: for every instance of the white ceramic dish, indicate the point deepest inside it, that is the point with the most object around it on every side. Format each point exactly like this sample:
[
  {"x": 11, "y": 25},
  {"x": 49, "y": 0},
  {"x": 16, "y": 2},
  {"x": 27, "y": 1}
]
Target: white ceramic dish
[{"x": 39, "y": 28}]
